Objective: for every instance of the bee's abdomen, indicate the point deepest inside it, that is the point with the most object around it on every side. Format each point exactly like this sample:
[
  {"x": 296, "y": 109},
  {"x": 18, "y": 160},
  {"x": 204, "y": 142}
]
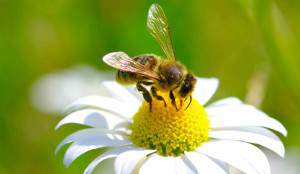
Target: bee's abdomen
[{"x": 126, "y": 78}]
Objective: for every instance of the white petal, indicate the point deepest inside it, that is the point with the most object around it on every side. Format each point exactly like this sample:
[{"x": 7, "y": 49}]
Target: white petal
[
  {"x": 255, "y": 135},
  {"x": 128, "y": 161},
  {"x": 205, "y": 89},
  {"x": 104, "y": 103},
  {"x": 241, "y": 115},
  {"x": 95, "y": 136},
  {"x": 121, "y": 93},
  {"x": 112, "y": 153},
  {"x": 122, "y": 126},
  {"x": 204, "y": 164},
  {"x": 240, "y": 155},
  {"x": 92, "y": 117},
  {"x": 132, "y": 89},
  {"x": 161, "y": 165},
  {"x": 226, "y": 101}
]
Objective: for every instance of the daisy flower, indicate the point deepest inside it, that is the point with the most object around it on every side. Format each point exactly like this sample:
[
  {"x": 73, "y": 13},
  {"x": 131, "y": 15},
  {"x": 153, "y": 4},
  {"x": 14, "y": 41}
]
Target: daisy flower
[{"x": 201, "y": 139}]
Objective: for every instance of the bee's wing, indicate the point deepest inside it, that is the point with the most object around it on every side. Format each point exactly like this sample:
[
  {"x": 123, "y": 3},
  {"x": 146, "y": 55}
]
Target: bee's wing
[
  {"x": 122, "y": 61},
  {"x": 158, "y": 26}
]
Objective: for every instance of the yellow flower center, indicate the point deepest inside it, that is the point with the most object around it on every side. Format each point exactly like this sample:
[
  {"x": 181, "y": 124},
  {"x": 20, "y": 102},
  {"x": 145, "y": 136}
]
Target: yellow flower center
[{"x": 168, "y": 131}]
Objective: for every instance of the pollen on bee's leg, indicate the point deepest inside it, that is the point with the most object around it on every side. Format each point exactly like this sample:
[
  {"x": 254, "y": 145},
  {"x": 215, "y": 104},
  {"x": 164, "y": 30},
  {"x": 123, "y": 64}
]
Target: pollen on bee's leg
[{"x": 167, "y": 130}]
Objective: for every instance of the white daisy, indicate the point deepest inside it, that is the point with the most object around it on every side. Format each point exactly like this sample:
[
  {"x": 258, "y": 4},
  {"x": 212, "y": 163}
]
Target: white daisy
[{"x": 200, "y": 139}]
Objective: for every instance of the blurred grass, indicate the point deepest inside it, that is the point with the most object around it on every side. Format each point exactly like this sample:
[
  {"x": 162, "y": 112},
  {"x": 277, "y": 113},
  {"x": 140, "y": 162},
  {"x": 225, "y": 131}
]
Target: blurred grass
[{"x": 231, "y": 40}]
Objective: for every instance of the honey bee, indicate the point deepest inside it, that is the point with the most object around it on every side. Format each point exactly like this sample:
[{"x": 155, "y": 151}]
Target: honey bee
[{"x": 165, "y": 75}]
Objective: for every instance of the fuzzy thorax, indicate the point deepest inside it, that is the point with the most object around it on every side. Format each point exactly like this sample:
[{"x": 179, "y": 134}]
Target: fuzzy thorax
[{"x": 167, "y": 130}]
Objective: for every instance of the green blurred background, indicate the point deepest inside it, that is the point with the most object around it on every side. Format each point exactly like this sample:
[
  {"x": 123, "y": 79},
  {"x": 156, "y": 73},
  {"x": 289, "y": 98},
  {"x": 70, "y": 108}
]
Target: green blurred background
[{"x": 252, "y": 46}]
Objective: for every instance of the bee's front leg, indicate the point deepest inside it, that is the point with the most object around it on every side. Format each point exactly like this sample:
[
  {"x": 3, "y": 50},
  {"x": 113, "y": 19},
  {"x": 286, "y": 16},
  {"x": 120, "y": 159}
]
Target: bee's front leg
[
  {"x": 187, "y": 88},
  {"x": 189, "y": 102},
  {"x": 181, "y": 102},
  {"x": 146, "y": 94},
  {"x": 155, "y": 95},
  {"x": 173, "y": 100}
]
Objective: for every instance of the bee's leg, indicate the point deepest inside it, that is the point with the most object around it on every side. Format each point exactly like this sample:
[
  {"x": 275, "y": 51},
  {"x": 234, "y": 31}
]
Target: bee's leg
[
  {"x": 181, "y": 103},
  {"x": 189, "y": 102},
  {"x": 146, "y": 94},
  {"x": 182, "y": 100},
  {"x": 147, "y": 83},
  {"x": 173, "y": 101},
  {"x": 155, "y": 95}
]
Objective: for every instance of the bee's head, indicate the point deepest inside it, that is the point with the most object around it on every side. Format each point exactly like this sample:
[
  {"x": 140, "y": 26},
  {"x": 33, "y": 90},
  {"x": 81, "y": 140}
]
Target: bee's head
[{"x": 172, "y": 72}]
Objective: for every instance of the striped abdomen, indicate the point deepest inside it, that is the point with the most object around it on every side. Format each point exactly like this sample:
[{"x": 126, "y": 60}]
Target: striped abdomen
[{"x": 127, "y": 78}]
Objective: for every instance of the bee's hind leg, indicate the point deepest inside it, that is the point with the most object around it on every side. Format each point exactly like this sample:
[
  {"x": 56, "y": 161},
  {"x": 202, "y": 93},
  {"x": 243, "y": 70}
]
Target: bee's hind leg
[
  {"x": 155, "y": 95},
  {"x": 173, "y": 101},
  {"x": 146, "y": 94}
]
